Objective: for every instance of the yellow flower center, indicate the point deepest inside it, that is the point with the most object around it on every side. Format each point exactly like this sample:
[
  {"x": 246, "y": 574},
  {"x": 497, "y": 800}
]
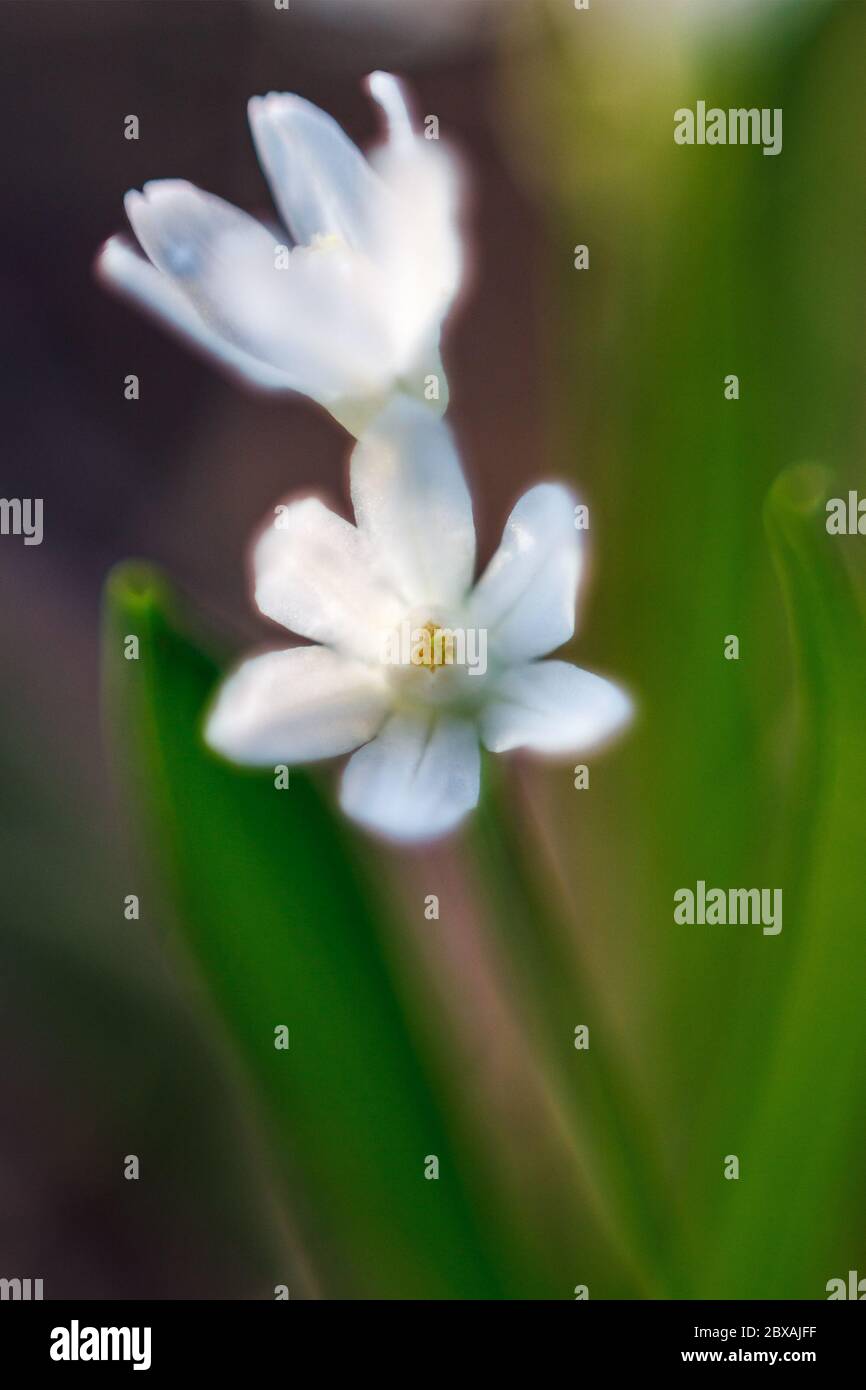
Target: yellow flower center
[
  {"x": 433, "y": 647},
  {"x": 327, "y": 241}
]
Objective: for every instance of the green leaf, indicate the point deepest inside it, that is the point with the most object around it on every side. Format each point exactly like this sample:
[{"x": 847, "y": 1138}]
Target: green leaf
[
  {"x": 803, "y": 1154},
  {"x": 281, "y": 929}
]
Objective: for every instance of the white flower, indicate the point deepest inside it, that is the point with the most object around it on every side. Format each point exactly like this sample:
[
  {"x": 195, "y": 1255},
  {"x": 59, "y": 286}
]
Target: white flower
[
  {"x": 407, "y": 567},
  {"x": 347, "y": 305}
]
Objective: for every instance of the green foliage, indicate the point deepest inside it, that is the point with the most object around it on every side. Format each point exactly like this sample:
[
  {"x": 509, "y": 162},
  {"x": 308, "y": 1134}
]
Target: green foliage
[
  {"x": 278, "y": 923},
  {"x": 705, "y": 262}
]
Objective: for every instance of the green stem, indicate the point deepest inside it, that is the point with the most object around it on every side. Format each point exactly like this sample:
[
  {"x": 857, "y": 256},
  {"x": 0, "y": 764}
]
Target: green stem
[{"x": 600, "y": 1102}]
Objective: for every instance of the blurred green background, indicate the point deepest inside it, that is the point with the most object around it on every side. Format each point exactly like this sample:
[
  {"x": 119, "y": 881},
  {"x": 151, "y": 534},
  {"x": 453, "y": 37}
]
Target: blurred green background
[{"x": 559, "y": 1168}]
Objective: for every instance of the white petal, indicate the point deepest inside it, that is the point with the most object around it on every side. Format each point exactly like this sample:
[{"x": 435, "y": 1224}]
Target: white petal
[
  {"x": 415, "y": 381},
  {"x": 411, "y": 500},
  {"x": 124, "y": 270},
  {"x": 316, "y": 575},
  {"x": 399, "y": 211},
  {"x": 194, "y": 236},
  {"x": 553, "y": 707},
  {"x": 320, "y": 181},
  {"x": 294, "y": 707},
  {"x": 315, "y": 315},
  {"x": 418, "y": 242},
  {"x": 416, "y": 780},
  {"x": 390, "y": 94},
  {"x": 526, "y": 596}
]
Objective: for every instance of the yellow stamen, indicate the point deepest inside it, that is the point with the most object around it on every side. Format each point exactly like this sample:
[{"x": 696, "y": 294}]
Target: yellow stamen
[
  {"x": 327, "y": 241},
  {"x": 434, "y": 647}
]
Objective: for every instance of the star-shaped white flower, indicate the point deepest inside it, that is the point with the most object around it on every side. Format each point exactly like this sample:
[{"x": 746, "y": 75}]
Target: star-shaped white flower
[
  {"x": 387, "y": 601},
  {"x": 346, "y": 306}
]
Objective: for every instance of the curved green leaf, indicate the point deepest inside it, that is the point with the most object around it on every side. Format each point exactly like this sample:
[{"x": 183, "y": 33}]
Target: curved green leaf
[
  {"x": 278, "y": 924},
  {"x": 800, "y": 1168}
]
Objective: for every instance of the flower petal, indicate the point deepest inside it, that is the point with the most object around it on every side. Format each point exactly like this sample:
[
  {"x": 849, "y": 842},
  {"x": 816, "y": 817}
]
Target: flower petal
[
  {"x": 195, "y": 237},
  {"x": 417, "y": 241},
  {"x": 390, "y": 95},
  {"x": 313, "y": 314},
  {"x": 416, "y": 780},
  {"x": 553, "y": 707},
  {"x": 526, "y": 596},
  {"x": 412, "y": 502},
  {"x": 398, "y": 211},
  {"x": 316, "y": 575},
  {"x": 294, "y": 707},
  {"x": 128, "y": 273},
  {"x": 320, "y": 181}
]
